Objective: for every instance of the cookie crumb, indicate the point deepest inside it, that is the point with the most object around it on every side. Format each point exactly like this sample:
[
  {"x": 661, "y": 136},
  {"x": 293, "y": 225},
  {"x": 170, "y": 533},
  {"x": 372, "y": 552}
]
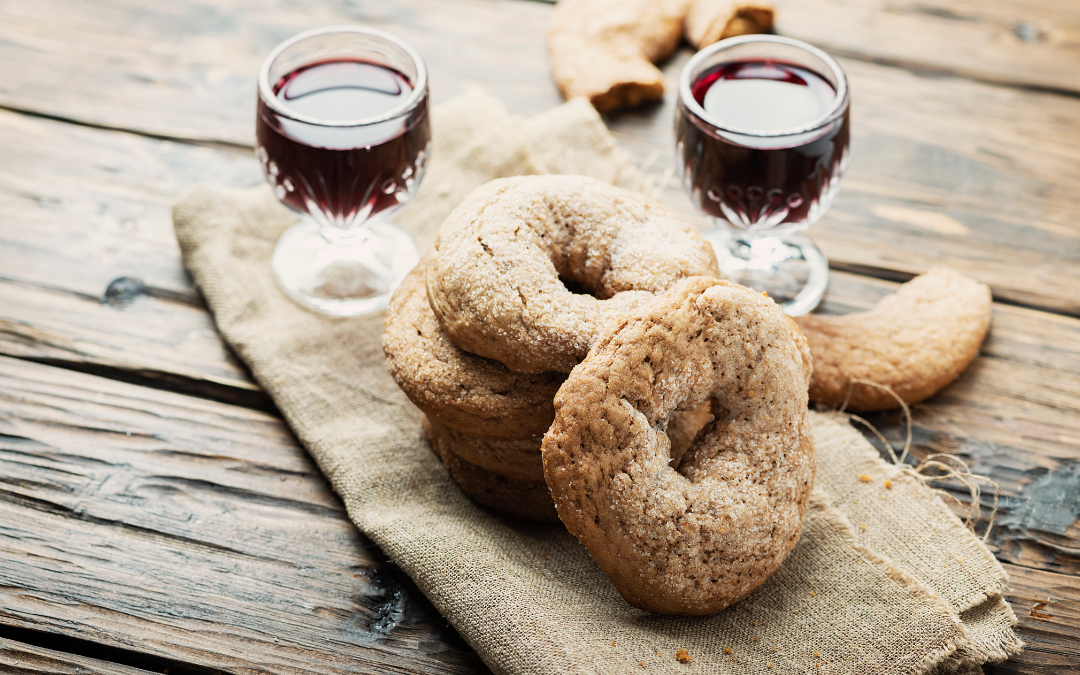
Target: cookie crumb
[
  {"x": 683, "y": 656},
  {"x": 813, "y": 593},
  {"x": 769, "y": 664},
  {"x": 756, "y": 638},
  {"x": 661, "y": 654},
  {"x": 888, "y": 484},
  {"x": 754, "y": 624},
  {"x": 817, "y": 655},
  {"x": 865, "y": 478},
  {"x": 774, "y": 648},
  {"x": 612, "y": 643},
  {"x": 727, "y": 650},
  {"x": 863, "y": 526},
  {"x": 960, "y": 558}
]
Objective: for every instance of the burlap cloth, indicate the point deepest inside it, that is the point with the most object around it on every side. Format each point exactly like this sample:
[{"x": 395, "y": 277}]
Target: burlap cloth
[{"x": 882, "y": 580}]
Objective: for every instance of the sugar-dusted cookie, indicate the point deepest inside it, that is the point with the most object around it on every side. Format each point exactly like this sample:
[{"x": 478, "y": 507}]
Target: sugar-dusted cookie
[
  {"x": 604, "y": 50},
  {"x": 459, "y": 389},
  {"x": 915, "y": 341},
  {"x": 695, "y": 540},
  {"x": 521, "y": 460},
  {"x": 508, "y": 260}
]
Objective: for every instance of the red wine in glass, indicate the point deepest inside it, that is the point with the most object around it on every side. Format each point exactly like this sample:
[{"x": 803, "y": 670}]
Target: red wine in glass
[
  {"x": 343, "y": 136},
  {"x": 342, "y": 175},
  {"x": 770, "y": 181},
  {"x": 762, "y": 134}
]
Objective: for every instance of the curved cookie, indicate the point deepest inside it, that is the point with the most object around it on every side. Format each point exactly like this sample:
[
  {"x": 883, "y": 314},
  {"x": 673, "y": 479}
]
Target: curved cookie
[
  {"x": 605, "y": 49},
  {"x": 915, "y": 341},
  {"x": 505, "y": 496},
  {"x": 460, "y": 390},
  {"x": 699, "y": 539},
  {"x": 709, "y": 21},
  {"x": 502, "y": 259}
]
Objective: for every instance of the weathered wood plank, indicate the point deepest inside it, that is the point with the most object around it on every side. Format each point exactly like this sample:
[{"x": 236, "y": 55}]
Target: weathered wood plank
[
  {"x": 1048, "y": 608},
  {"x": 1009, "y": 41},
  {"x": 187, "y": 69},
  {"x": 193, "y": 531},
  {"x": 17, "y": 658},
  {"x": 80, "y": 208}
]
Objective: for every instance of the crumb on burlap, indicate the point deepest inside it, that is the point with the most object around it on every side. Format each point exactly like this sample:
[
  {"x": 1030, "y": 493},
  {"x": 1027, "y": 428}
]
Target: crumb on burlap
[
  {"x": 817, "y": 655},
  {"x": 683, "y": 656},
  {"x": 865, "y": 478},
  {"x": 756, "y": 638},
  {"x": 728, "y": 650},
  {"x": 863, "y": 525},
  {"x": 612, "y": 643},
  {"x": 813, "y": 594},
  {"x": 888, "y": 484}
]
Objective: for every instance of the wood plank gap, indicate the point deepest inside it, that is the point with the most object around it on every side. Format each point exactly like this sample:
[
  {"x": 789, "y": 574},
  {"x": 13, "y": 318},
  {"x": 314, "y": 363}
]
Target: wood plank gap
[
  {"x": 253, "y": 399},
  {"x": 92, "y": 650},
  {"x": 215, "y": 143}
]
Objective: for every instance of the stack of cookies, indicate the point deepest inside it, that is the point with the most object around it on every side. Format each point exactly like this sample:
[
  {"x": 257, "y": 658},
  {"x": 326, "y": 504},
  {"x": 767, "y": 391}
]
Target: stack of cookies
[{"x": 485, "y": 420}]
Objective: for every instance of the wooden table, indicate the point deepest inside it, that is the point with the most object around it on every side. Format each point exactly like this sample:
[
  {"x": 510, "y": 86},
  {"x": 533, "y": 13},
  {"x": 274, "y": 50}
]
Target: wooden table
[{"x": 156, "y": 513}]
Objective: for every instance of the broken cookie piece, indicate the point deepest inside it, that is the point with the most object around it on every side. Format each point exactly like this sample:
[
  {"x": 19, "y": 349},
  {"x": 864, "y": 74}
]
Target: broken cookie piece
[
  {"x": 604, "y": 50},
  {"x": 709, "y": 21}
]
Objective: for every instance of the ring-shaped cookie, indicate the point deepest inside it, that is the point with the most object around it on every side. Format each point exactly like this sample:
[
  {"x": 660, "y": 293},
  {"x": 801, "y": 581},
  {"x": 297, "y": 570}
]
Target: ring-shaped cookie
[
  {"x": 696, "y": 540},
  {"x": 503, "y": 258},
  {"x": 522, "y": 460},
  {"x": 461, "y": 390}
]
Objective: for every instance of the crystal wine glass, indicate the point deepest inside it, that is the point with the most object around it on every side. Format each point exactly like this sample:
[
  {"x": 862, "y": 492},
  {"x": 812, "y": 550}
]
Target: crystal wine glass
[
  {"x": 762, "y": 134},
  {"x": 343, "y": 135}
]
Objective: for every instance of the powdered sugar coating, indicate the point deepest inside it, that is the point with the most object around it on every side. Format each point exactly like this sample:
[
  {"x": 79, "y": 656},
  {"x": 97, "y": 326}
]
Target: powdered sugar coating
[
  {"x": 461, "y": 390},
  {"x": 496, "y": 279},
  {"x": 696, "y": 540}
]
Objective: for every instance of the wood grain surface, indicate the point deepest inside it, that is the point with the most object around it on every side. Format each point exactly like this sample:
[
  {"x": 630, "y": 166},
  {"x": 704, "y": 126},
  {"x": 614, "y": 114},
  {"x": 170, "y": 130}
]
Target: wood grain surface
[
  {"x": 193, "y": 531},
  {"x": 156, "y": 513}
]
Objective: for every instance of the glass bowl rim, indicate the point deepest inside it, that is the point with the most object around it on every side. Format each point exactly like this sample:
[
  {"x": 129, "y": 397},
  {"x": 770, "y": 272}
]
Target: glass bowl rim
[
  {"x": 835, "y": 111},
  {"x": 266, "y": 92}
]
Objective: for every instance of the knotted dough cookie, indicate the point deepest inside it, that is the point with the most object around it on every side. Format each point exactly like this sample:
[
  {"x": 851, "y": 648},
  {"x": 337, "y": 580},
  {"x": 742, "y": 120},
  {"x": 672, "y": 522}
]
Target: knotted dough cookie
[
  {"x": 461, "y": 390},
  {"x": 915, "y": 341},
  {"x": 502, "y": 260},
  {"x": 696, "y": 540}
]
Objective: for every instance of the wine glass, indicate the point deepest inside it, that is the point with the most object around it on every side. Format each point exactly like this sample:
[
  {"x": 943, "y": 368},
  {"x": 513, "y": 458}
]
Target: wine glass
[
  {"x": 343, "y": 135},
  {"x": 762, "y": 134}
]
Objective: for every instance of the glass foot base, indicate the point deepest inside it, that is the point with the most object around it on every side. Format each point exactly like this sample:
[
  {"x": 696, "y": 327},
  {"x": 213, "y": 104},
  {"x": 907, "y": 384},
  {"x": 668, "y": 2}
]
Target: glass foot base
[
  {"x": 791, "y": 270},
  {"x": 348, "y": 279}
]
